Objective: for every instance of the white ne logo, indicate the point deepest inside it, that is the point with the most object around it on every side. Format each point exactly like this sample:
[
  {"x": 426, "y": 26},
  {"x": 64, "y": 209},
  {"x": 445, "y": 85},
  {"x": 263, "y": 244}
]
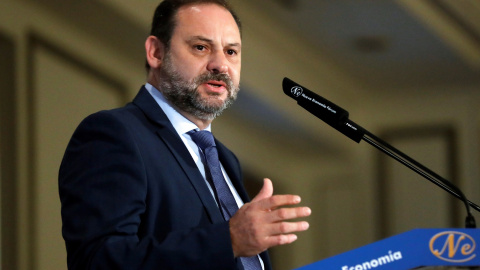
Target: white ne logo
[{"x": 297, "y": 91}]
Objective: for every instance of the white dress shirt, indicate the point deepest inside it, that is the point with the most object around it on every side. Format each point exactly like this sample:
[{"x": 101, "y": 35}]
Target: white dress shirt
[{"x": 182, "y": 125}]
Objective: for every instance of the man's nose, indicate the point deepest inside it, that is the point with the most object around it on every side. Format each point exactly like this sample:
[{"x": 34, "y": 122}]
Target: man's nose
[{"x": 218, "y": 63}]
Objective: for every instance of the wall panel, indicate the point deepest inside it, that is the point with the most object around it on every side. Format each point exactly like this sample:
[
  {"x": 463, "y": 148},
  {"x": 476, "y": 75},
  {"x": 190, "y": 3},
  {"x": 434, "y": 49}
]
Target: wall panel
[
  {"x": 407, "y": 200},
  {"x": 63, "y": 90},
  {"x": 8, "y": 208}
]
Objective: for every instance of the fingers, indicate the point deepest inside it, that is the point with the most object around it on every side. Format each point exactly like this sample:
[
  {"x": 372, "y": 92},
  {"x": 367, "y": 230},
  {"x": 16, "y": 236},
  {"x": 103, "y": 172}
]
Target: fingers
[
  {"x": 265, "y": 192},
  {"x": 285, "y": 228},
  {"x": 274, "y": 202},
  {"x": 283, "y": 239},
  {"x": 288, "y": 213},
  {"x": 262, "y": 223},
  {"x": 269, "y": 202}
]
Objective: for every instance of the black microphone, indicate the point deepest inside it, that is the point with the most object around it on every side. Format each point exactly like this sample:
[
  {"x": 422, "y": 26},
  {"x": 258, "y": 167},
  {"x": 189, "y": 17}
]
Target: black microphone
[
  {"x": 338, "y": 119},
  {"x": 327, "y": 111}
]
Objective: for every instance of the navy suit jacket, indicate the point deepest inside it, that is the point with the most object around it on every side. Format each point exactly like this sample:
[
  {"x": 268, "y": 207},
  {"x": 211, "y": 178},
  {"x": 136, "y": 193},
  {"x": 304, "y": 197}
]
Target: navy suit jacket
[{"x": 133, "y": 198}]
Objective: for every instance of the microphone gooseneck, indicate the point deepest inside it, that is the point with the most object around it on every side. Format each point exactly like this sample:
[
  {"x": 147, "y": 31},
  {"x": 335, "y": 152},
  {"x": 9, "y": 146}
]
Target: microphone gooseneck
[{"x": 337, "y": 117}]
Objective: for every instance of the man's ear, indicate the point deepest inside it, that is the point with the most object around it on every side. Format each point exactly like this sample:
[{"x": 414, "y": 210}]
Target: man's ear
[{"x": 155, "y": 51}]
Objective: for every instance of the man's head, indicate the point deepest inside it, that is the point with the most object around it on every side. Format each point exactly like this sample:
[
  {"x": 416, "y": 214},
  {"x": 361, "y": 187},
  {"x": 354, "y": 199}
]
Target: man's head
[
  {"x": 196, "y": 64},
  {"x": 164, "y": 20}
]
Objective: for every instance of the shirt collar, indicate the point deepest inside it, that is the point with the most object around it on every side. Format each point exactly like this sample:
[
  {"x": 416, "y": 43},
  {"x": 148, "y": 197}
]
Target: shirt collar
[{"x": 181, "y": 124}]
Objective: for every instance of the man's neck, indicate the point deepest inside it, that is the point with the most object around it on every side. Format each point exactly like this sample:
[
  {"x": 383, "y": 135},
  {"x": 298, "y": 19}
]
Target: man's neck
[{"x": 200, "y": 123}]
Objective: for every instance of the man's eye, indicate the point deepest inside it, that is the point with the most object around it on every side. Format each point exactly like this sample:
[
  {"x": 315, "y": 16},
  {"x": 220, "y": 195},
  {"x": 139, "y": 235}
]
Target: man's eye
[
  {"x": 231, "y": 52},
  {"x": 200, "y": 47}
]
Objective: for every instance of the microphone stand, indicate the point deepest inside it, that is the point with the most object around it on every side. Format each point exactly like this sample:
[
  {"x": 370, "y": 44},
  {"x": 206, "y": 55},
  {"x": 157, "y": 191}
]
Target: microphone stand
[
  {"x": 423, "y": 171},
  {"x": 337, "y": 118},
  {"x": 357, "y": 133}
]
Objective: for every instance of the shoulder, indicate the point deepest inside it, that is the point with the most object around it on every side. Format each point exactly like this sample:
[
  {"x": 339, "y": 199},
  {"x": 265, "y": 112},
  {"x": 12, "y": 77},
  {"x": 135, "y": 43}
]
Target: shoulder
[
  {"x": 103, "y": 129},
  {"x": 110, "y": 120}
]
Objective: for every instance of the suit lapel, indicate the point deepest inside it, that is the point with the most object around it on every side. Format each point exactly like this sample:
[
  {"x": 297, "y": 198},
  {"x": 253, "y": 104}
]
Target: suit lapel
[
  {"x": 232, "y": 167},
  {"x": 169, "y": 136}
]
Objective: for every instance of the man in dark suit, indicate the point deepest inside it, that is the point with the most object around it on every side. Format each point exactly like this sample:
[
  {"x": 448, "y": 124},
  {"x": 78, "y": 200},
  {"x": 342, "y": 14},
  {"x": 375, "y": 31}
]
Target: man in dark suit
[{"x": 134, "y": 189}]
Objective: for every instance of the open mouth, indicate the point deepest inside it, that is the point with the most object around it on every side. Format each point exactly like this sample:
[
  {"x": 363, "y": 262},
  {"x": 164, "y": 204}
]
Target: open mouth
[{"x": 216, "y": 84}]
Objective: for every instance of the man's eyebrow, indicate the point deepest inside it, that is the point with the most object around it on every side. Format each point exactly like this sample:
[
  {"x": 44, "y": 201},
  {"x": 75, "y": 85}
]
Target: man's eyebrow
[
  {"x": 204, "y": 39},
  {"x": 235, "y": 44},
  {"x": 200, "y": 38}
]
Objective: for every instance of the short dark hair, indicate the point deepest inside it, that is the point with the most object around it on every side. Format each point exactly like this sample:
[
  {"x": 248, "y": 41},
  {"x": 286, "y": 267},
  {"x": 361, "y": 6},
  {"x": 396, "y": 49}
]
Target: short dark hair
[{"x": 164, "y": 23}]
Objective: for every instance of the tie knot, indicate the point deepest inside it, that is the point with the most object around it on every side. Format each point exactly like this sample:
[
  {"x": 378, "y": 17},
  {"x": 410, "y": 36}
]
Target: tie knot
[{"x": 203, "y": 138}]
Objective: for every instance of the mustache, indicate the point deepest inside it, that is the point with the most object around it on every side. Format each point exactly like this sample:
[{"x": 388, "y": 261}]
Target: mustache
[{"x": 205, "y": 77}]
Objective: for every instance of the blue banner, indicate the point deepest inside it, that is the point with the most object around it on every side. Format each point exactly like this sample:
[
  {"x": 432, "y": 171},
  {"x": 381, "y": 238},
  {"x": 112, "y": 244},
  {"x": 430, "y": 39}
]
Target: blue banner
[{"x": 412, "y": 249}]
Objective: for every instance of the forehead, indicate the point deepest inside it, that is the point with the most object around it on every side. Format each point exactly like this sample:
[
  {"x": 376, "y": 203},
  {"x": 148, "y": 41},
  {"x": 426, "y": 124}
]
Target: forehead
[{"x": 209, "y": 19}]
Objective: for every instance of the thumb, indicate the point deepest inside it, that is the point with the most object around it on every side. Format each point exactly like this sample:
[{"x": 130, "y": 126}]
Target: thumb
[{"x": 266, "y": 191}]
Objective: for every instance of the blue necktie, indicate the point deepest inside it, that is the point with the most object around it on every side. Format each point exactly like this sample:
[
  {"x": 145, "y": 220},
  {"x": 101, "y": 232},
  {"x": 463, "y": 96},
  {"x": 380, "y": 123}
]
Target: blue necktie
[{"x": 205, "y": 141}]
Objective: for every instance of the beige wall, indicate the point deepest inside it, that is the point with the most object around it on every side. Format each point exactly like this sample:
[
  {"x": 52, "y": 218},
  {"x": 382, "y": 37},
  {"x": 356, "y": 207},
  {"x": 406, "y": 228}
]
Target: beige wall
[{"x": 65, "y": 70}]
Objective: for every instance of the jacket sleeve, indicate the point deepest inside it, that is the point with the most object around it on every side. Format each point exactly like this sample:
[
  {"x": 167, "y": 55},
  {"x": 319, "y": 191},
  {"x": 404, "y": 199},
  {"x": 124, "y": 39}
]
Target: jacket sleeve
[{"x": 103, "y": 190}]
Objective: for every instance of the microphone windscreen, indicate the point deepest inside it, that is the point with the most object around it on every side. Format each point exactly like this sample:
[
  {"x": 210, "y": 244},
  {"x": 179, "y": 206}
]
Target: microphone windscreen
[
  {"x": 291, "y": 88},
  {"x": 315, "y": 104},
  {"x": 323, "y": 109}
]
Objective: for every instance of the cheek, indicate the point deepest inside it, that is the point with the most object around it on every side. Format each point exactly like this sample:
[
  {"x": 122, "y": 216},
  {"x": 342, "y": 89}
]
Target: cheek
[
  {"x": 188, "y": 67},
  {"x": 189, "y": 73},
  {"x": 235, "y": 75}
]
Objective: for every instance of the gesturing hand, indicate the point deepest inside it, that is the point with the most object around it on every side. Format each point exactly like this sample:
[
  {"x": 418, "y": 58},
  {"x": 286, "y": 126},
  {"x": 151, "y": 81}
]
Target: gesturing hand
[{"x": 262, "y": 224}]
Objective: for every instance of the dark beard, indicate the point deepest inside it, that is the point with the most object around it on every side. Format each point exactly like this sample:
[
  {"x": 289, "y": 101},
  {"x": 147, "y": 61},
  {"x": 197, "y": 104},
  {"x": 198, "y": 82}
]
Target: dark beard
[{"x": 184, "y": 94}]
